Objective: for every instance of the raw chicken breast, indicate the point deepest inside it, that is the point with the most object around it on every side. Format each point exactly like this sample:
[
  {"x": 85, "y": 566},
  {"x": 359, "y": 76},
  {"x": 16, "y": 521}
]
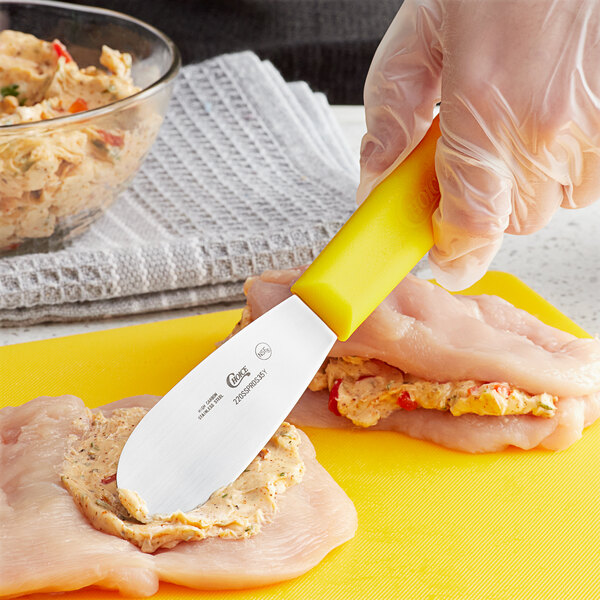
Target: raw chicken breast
[
  {"x": 423, "y": 330},
  {"x": 48, "y": 546},
  {"x": 427, "y": 332}
]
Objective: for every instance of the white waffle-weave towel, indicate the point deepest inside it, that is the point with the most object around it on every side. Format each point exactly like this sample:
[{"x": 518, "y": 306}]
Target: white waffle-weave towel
[{"x": 248, "y": 173}]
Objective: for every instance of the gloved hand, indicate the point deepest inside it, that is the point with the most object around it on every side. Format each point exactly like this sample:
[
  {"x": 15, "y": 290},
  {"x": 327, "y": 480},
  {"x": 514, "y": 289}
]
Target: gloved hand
[{"x": 519, "y": 84}]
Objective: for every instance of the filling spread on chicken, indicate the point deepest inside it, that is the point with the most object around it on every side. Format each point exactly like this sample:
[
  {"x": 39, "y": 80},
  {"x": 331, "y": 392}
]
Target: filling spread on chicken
[{"x": 235, "y": 511}]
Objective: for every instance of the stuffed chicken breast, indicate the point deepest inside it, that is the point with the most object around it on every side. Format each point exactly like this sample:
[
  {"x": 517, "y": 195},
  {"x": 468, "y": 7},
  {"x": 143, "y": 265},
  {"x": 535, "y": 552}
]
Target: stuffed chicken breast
[{"x": 472, "y": 373}]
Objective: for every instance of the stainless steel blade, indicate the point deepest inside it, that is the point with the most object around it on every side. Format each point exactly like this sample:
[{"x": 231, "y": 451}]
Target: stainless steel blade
[{"x": 212, "y": 424}]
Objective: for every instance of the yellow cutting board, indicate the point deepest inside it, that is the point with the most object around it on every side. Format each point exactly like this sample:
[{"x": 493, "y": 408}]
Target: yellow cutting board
[{"x": 433, "y": 523}]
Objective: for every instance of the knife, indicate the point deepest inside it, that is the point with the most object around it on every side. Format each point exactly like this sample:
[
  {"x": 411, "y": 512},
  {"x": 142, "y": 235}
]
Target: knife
[{"x": 208, "y": 428}]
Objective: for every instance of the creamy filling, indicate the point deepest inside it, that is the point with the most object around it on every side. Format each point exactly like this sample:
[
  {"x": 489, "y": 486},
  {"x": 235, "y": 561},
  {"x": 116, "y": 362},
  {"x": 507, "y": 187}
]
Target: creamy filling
[
  {"x": 236, "y": 511},
  {"x": 367, "y": 390},
  {"x": 51, "y": 175},
  {"x": 39, "y": 80}
]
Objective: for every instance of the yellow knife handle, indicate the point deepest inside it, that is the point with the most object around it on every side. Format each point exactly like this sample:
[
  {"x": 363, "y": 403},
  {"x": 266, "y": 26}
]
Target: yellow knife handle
[{"x": 381, "y": 242}]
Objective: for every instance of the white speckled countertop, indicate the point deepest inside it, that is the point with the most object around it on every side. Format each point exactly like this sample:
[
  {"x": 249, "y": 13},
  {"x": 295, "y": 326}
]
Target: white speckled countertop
[{"x": 560, "y": 262}]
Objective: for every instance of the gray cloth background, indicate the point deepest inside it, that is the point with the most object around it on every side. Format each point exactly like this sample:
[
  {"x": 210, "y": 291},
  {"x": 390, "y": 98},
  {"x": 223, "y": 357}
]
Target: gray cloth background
[{"x": 248, "y": 173}]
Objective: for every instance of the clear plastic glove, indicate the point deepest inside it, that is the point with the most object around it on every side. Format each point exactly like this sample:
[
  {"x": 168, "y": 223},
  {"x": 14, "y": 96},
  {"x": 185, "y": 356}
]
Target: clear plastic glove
[{"x": 519, "y": 84}]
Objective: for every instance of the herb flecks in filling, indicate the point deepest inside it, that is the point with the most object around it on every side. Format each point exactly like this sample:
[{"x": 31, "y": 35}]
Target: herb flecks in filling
[
  {"x": 41, "y": 81},
  {"x": 367, "y": 390},
  {"x": 236, "y": 511}
]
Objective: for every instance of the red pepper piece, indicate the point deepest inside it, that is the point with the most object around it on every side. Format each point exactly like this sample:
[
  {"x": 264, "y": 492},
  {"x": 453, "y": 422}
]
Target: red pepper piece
[
  {"x": 405, "y": 403},
  {"x": 365, "y": 377},
  {"x": 333, "y": 396},
  {"x": 111, "y": 139},
  {"x": 109, "y": 479},
  {"x": 61, "y": 50},
  {"x": 78, "y": 106}
]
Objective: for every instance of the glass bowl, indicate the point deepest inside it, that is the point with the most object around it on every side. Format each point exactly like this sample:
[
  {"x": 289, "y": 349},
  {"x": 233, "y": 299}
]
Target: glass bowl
[{"x": 48, "y": 195}]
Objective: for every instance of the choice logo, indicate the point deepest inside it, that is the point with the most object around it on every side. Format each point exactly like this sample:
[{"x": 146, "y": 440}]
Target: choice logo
[
  {"x": 234, "y": 379},
  {"x": 263, "y": 351}
]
